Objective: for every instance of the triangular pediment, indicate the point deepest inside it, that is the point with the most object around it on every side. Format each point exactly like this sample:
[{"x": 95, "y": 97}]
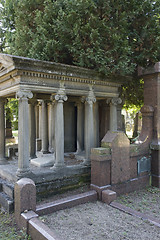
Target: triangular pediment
[
  {"x": 2, "y": 67},
  {"x": 5, "y": 63}
]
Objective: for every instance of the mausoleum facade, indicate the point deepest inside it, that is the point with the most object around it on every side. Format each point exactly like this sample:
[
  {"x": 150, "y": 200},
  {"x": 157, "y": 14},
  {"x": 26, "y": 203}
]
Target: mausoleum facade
[{"x": 62, "y": 109}]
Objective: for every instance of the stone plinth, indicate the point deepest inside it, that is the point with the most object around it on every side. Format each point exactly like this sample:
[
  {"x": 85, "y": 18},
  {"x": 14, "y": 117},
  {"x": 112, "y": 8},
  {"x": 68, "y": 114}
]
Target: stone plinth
[
  {"x": 100, "y": 166},
  {"x": 120, "y": 156}
]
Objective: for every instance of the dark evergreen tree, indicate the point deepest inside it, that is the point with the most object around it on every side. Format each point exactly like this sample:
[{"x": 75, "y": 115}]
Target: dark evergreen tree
[{"x": 112, "y": 37}]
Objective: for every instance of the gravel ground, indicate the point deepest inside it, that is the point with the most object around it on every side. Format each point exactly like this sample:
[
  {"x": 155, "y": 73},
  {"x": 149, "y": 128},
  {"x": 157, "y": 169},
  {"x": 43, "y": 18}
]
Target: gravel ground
[
  {"x": 98, "y": 221},
  {"x": 146, "y": 201}
]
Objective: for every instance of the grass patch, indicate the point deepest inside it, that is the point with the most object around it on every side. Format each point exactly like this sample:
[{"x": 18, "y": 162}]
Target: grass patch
[{"x": 8, "y": 228}]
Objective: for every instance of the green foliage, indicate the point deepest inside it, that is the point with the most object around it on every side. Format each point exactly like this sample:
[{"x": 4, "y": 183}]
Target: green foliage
[
  {"x": 112, "y": 37},
  {"x": 8, "y": 230},
  {"x": 11, "y": 109}
]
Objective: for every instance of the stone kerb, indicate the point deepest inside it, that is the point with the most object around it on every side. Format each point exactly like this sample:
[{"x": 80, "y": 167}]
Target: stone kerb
[
  {"x": 25, "y": 197},
  {"x": 120, "y": 156}
]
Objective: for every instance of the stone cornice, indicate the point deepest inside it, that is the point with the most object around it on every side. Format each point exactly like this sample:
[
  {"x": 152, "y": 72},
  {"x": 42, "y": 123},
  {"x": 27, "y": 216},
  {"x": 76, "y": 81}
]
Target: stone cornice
[{"x": 43, "y": 69}]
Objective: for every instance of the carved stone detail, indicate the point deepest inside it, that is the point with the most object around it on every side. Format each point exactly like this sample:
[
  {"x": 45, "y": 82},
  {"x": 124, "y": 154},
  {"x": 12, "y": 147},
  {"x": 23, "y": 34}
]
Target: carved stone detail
[
  {"x": 114, "y": 101},
  {"x": 24, "y": 94},
  {"x": 61, "y": 95},
  {"x": 90, "y": 99}
]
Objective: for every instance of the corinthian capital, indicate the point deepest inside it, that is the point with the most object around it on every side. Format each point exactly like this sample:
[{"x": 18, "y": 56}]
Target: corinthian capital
[{"x": 24, "y": 94}]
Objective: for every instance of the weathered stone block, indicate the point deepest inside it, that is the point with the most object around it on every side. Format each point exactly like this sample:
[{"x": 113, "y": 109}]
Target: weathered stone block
[
  {"x": 100, "y": 170},
  {"x": 108, "y": 196},
  {"x": 25, "y": 197}
]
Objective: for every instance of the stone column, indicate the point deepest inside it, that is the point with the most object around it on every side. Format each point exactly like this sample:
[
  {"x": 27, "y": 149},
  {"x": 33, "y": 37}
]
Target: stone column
[
  {"x": 96, "y": 124},
  {"x": 2, "y": 131},
  {"x": 44, "y": 127},
  {"x": 59, "y": 127},
  {"x": 89, "y": 125},
  {"x": 113, "y": 112},
  {"x": 37, "y": 119},
  {"x": 23, "y": 133},
  {"x": 32, "y": 129},
  {"x": 40, "y": 118},
  {"x": 52, "y": 126},
  {"x": 80, "y": 127}
]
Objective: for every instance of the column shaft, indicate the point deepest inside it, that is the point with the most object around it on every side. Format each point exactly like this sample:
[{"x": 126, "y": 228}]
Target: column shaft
[
  {"x": 96, "y": 124},
  {"x": 40, "y": 120},
  {"x": 80, "y": 127},
  {"x": 44, "y": 127},
  {"x": 89, "y": 130},
  {"x": 113, "y": 117},
  {"x": 113, "y": 112},
  {"x": 2, "y": 131},
  {"x": 59, "y": 126},
  {"x": 59, "y": 132},
  {"x": 32, "y": 130},
  {"x": 23, "y": 133},
  {"x": 37, "y": 120},
  {"x": 52, "y": 128}
]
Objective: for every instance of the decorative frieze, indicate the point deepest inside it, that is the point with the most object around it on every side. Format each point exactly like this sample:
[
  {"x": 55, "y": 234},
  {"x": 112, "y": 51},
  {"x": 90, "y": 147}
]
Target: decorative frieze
[{"x": 70, "y": 79}]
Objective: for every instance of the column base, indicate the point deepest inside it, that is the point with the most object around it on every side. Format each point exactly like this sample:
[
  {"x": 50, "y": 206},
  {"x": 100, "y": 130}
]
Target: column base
[
  {"x": 58, "y": 165},
  {"x": 23, "y": 173},
  {"x": 45, "y": 151}
]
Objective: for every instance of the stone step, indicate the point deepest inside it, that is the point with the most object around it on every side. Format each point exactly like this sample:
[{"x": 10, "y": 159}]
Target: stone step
[
  {"x": 8, "y": 189},
  {"x": 6, "y": 202}
]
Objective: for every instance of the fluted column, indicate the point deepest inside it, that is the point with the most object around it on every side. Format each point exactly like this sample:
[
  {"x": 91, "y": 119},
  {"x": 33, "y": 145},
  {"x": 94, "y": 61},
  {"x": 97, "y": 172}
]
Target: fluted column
[
  {"x": 96, "y": 124},
  {"x": 2, "y": 131},
  {"x": 89, "y": 125},
  {"x": 59, "y": 127},
  {"x": 23, "y": 133},
  {"x": 80, "y": 127},
  {"x": 40, "y": 118},
  {"x": 52, "y": 126},
  {"x": 44, "y": 126},
  {"x": 32, "y": 128},
  {"x": 37, "y": 119},
  {"x": 113, "y": 112}
]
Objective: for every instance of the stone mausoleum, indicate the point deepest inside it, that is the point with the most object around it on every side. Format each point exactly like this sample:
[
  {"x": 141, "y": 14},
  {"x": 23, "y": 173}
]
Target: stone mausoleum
[
  {"x": 69, "y": 129},
  {"x": 62, "y": 110}
]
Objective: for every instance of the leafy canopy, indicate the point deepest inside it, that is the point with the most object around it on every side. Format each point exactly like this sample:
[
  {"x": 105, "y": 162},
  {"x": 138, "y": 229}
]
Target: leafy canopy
[{"x": 112, "y": 37}]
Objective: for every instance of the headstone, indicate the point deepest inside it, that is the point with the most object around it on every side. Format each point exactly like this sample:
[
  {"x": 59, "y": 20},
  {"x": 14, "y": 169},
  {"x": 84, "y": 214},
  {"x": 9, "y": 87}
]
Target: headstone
[{"x": 25, "y": 197}]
